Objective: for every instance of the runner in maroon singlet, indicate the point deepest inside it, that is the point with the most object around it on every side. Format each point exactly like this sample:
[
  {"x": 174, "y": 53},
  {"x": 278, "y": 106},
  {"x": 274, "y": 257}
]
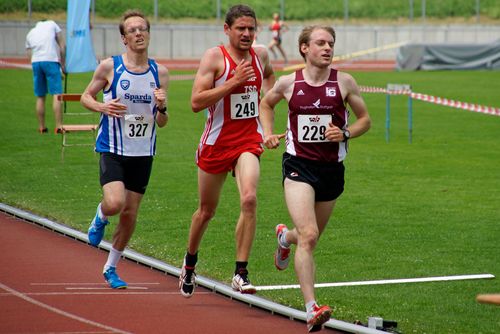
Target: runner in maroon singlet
[{"x": 316, "y": 144}]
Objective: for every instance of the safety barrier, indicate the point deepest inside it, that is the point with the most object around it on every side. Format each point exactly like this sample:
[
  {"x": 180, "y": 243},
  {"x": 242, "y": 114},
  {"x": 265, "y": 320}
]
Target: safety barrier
[{"x": 435, "y": 100}]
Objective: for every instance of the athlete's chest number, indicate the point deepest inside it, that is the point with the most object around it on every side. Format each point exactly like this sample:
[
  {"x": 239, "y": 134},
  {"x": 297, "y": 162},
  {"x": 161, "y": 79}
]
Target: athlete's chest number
[
  {"x": 137, "y": 130},
  {"x": 138, "y": 126},
  {"x": 311, "y": 128},
  {"x": 244, "y": 105}
]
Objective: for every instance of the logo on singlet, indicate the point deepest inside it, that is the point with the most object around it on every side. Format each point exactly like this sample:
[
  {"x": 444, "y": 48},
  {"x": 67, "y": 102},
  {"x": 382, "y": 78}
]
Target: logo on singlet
[
  {"x": 300, "y": 92},
  {"x": 138, "y": 98},
  {"x": 317, "y": 103},
  {"x": 331, "y": 91},
  {"x": 124, "y": 84}
]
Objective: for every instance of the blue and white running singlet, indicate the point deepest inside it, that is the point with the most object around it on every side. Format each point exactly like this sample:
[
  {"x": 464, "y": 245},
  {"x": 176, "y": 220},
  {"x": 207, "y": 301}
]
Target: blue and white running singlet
[{"x": 135, "y": 133}]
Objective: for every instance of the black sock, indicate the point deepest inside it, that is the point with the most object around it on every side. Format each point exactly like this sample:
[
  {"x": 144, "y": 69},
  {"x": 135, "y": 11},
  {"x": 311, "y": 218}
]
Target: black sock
[
  {"x": 191, "y": 260},
  {"x": 241, "y": 267}
]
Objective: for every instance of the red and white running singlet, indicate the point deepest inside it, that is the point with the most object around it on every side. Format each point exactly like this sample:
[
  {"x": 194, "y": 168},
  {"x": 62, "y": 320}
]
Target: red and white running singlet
[
  {"x": 276, "y": 30},
  {"x": 234, "y": 119},
  {"x": 310, "y": 109}
]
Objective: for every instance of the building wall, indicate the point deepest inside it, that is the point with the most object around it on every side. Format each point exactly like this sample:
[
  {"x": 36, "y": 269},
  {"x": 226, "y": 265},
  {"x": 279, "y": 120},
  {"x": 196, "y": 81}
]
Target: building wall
[{"x": 190, "y": 41}]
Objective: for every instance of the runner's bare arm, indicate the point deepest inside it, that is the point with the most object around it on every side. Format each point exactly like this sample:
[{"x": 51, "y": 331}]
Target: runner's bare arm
[
  {"x": 358, "y": 106},
  {"x": 161, "y": 95},
  {"x": 269, "y": 77},
  {"x": 281, "y": 90},
  {"x": 204, "y": 94},
  {"x": 102, "y": 78}
]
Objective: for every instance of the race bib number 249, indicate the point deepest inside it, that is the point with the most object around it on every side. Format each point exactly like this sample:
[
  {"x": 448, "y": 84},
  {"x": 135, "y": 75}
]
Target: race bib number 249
[{"x": 244, "y": 105}]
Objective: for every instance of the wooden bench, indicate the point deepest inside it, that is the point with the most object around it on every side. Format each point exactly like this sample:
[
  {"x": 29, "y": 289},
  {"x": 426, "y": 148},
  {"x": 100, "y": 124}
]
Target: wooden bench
[{"x": 68, "y": 128}]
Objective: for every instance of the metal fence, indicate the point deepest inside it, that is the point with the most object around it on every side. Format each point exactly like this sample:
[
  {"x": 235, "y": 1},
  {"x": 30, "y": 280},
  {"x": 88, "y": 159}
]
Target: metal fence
[{"x": 183, "y": 41}]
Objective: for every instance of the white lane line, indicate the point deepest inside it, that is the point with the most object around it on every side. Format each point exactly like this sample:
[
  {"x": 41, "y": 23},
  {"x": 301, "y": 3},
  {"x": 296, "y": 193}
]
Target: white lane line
[
  {"x": 387, "y": 281},
  {"x": 110, "y": 293},
  {"x": 61, "y": 312}
]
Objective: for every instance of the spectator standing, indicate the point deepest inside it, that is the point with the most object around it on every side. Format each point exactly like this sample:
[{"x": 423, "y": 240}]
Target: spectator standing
[{"x": 45, "y": 47}]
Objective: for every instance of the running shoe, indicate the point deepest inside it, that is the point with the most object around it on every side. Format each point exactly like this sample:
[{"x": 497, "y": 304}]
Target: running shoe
[
  {"x": 317, "y": 317},
  {"x": 113, "y": 279},
  {"x": 242, "y": 284},
  {"x": 282, "y": 254},
  {"x": 187, "y": 280},
  {"x": 96, "y": 230},
  {"x": 44, "y": 130}
]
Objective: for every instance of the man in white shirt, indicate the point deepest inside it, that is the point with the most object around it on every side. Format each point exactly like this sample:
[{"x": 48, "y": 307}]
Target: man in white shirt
[{"x": 45, "y": 47}]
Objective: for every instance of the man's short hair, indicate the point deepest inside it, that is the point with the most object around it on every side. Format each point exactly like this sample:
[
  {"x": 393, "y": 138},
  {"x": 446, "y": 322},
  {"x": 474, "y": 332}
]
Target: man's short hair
[
  {"x": 131, "y": 13},
  {"x": 305, "y": 35},
  {"x": 238, "y": 11}
]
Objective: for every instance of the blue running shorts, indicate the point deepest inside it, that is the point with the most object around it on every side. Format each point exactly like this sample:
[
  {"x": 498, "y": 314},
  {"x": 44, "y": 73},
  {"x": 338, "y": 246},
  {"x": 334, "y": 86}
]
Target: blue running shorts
[{"x": 47, "y": 73}]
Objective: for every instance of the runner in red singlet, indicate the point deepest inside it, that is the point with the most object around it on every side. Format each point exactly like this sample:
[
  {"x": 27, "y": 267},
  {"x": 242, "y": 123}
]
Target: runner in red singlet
[
  {"x": 229, "y": 82},
  {"x": 277, "y": 27},
  {"x": 316, "y": 145}
]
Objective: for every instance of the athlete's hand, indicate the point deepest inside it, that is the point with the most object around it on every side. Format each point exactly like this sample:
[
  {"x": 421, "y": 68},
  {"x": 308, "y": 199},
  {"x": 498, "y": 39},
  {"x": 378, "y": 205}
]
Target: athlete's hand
[
  {"x": 160, "y": 98},
  {"x": 334, "y": 133},
  {"x": 243, "y": 71},
  {"x": 114, "y": 108},
  {"x": 273, "y": 141}
]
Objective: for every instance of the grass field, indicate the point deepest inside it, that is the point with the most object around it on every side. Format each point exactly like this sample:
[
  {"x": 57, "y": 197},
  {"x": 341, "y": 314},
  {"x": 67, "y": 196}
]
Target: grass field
[
  {"x": 430, "y": 208},
  {"x": 293, "y": 9}
]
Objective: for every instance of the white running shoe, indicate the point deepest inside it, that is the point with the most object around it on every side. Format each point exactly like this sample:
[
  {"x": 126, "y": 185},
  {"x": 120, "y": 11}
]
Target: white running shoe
[
  {"x": 282, "y": 254},
  {"x": 242, "y": 284},
  {"x": 187, "y": 281},
  {"x": 317, "y": 317}
]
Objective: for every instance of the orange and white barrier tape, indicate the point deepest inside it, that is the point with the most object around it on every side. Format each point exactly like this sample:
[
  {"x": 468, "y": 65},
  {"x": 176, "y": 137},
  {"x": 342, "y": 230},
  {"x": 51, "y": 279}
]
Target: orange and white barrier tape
[{"x": 435, "y": 100}]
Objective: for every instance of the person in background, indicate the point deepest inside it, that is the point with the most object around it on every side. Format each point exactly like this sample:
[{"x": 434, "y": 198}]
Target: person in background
[
  {"x": 45, "y": 47},
  {"x": 134, "y": 103},
  {"x": 277, "y": 27},
  {"x": 229, "y": 82},
  {"x": 317, "y": 140}
]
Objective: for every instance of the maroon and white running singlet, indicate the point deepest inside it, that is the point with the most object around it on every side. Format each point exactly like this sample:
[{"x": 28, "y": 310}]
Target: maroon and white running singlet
[{"x": 310, "y": 110}]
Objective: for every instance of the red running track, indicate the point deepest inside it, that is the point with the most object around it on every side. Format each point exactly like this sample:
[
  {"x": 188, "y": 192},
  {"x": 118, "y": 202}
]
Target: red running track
[{"x": 50, "y": 283}]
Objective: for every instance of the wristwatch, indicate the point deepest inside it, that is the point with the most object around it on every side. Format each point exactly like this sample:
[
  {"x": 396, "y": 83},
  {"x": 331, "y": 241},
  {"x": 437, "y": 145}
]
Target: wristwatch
[
  {"x": 162, "y": 110},
  {"x": 347, "y": 135}
]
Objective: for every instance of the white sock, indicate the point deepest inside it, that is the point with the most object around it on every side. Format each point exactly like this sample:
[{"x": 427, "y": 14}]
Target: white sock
[
  {"x": 100, "y": 214},
  {"x": 113, "y": 258},
  {"x": 310, "y": 305}
]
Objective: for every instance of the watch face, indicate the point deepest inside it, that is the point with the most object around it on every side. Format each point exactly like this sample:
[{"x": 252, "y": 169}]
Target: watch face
[{"x": 347, "y": 134}]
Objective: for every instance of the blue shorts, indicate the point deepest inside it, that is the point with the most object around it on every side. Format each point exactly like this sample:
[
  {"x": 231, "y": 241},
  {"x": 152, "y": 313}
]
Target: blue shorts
[{"x": 47, "y": 72}]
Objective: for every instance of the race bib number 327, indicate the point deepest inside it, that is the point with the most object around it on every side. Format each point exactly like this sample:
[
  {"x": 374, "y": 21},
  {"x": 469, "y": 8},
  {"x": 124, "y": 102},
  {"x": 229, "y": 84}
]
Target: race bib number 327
[
  {"x": 138, "y": 126},
  {"x": 244, "y": 105}
]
